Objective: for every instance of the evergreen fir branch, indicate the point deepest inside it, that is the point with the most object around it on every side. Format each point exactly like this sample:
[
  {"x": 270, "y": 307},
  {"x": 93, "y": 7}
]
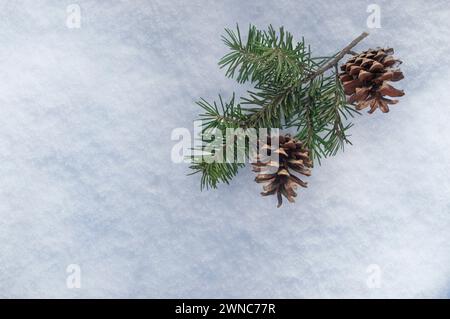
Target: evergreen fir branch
[
  {"x": 321, "y": 121},
  {"x": 266, "y": 55},
  {"x": 307, "y": 120},
  {"x": 338, "y": 111},
  {"x": 278, "y": 79},
  {"x": 270, "y": 105},
  {"x": 226, "y": 115},
  {"x": 215, "y": 173},
  {"x": 220, "y": 116},
  {"x": 292, "y": 89}
]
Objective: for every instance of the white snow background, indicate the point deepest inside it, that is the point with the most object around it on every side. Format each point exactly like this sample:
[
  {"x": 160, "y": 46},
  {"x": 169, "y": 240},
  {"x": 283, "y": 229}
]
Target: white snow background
[{"x": 86, "y": 117}]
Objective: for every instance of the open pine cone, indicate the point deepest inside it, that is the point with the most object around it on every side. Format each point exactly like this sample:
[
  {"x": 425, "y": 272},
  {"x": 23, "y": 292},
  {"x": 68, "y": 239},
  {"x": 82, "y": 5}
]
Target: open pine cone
[
  {"x": 293, "y": 156},
  {"x": 366, "y": 77}
]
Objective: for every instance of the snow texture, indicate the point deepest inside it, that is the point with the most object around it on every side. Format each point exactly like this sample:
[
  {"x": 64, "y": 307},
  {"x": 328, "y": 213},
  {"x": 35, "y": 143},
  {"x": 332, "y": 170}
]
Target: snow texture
[{"x": 86, "y": 117}]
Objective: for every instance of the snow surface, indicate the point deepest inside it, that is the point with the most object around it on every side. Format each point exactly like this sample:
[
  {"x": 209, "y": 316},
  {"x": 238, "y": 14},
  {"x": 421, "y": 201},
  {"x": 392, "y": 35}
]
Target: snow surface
[{"x": 85, "y": 177}]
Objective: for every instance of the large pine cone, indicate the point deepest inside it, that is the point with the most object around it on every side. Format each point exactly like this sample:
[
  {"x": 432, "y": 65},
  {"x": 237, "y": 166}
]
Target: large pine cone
[
  {"x": 293, "y": 156},
  {"x": 366, "y": 77}
]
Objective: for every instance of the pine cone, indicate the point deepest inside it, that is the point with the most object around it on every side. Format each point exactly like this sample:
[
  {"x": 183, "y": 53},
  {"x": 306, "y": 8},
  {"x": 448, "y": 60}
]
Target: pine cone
[
  {"x": 365, "y": 79},
  {"x": 293, "y": 156}
]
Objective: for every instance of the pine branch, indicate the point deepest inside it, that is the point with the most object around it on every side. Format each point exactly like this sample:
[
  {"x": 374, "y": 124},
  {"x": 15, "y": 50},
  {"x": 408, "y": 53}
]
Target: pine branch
[
  {"x": 215, "y": 173},
  {"x": 320, "y": 123},
  {"x": 291, "y": 89},
  {"x": 225, "y": 115},
  {"x": 217, "y": 118},
  {"x": 268, "y": 107},
  {"x": 266, "y": 55},
  {"x": 337, "y": 135}
]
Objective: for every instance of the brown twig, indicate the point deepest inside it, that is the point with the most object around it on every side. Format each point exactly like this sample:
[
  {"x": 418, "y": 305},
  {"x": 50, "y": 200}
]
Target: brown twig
[{"x": 337, "y": 58}]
